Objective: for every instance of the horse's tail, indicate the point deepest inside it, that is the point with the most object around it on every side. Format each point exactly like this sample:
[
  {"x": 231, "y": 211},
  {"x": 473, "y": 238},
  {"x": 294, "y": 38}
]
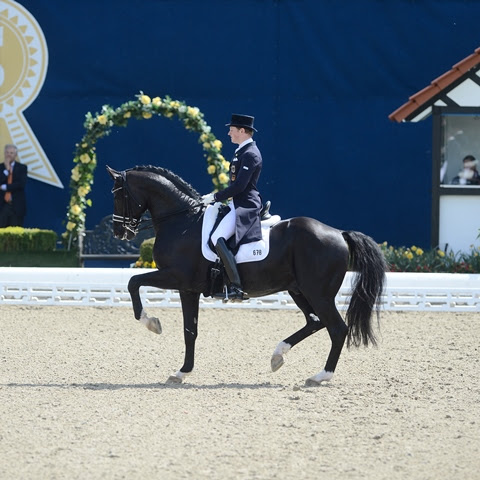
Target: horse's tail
[{"x": 367, "y": 260}]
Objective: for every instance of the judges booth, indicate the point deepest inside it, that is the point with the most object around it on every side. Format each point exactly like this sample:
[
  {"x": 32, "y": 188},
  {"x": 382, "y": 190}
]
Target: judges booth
[{"x": 453, "y": 101}]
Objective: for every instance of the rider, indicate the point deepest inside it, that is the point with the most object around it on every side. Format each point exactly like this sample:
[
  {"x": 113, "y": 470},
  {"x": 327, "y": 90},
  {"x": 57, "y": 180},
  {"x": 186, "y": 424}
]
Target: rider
[{"x": 245, "y": 202}]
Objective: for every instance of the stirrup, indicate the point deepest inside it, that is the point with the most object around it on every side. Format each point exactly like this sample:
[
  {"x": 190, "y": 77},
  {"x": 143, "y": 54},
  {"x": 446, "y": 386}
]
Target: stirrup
[{"x": 232, "y": 293}]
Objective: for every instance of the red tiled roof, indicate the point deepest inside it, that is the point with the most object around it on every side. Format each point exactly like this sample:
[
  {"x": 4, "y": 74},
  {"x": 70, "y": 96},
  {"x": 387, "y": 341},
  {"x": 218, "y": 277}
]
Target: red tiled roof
[{"x": 435, "y": 87}]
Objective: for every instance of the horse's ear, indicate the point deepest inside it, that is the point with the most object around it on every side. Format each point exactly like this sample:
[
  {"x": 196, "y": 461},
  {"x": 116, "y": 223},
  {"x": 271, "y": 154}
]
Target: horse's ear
[{"x": 113, "y": 173}]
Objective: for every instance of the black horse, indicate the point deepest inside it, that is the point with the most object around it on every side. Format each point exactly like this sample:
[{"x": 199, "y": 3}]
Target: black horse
[{"x": 307, "y": 258}]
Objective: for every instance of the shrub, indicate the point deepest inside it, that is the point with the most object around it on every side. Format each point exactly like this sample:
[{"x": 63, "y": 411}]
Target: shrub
[
  {"x": 146, "y": 254},
  {"x": 414, "y": 259},
  {"x": 19, "y": 239}
]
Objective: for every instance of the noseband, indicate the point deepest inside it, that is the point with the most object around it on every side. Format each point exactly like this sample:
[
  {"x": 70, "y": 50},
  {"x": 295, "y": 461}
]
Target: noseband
[{"x": 128, "y": 221}]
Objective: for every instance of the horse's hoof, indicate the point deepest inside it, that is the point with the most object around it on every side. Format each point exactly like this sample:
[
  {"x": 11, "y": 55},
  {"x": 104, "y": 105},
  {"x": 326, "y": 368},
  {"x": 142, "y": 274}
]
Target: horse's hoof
[
  {"x": 312, "y": 383},
  {"x": 276, "y": 362},
  {"x": 317, "y": 380},
  {"x": 172, "y": 379},
  {"x": 154, "y": 325}
]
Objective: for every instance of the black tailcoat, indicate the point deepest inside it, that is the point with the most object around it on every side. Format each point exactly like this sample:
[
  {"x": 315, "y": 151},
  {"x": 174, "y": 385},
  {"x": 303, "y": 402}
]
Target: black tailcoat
[
  {"x": 245, "y": 169},
  {"x": 17, "y": 188}
]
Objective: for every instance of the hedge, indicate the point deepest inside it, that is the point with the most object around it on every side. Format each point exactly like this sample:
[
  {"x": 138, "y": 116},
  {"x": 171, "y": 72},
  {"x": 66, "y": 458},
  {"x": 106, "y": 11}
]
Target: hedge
[{"x": 19, "y": 239}]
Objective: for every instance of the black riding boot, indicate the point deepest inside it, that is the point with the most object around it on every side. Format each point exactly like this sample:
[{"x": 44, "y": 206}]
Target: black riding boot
[{"x": 234, "y": 291}]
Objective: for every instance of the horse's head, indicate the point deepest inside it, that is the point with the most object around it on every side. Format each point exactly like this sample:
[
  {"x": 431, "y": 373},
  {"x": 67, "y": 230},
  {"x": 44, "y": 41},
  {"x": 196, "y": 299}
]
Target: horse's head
[{"x": 127, "y": 206}]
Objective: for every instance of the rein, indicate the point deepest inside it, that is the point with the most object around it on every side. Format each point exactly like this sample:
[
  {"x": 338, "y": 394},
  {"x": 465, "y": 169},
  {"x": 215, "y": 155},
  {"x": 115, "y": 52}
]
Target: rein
[{"x": 131, "y": 223}]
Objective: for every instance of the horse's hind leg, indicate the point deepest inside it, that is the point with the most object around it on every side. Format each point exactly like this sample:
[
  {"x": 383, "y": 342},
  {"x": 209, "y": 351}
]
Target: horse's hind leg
[
  {"x": 337, "y": 329},
  {"x": 313, "y": 325}
]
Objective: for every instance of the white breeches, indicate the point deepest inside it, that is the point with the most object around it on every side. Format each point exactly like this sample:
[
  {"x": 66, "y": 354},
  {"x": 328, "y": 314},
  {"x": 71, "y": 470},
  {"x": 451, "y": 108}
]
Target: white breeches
[{"x": 226, "y": 228}]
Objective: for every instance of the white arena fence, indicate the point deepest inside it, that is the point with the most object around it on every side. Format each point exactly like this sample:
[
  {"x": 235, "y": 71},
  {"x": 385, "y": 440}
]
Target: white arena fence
[{"x": 108, "y": 287}]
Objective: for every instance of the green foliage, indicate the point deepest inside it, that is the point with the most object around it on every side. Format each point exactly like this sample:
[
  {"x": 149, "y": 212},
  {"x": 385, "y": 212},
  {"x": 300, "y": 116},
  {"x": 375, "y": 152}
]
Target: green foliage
[
  {"x": 18, "y": 239},
  {"x": 57, "y": 258},
  {"x": 146, "y": 254},
  {"x": 414, "y": 259}
]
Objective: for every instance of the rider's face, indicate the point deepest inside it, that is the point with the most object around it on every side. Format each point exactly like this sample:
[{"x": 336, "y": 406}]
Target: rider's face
[{"x": 235, "y": 135}]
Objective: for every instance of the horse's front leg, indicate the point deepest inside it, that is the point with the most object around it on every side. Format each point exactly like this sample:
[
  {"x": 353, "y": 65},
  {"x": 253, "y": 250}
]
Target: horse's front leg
[
  {"x": 158, "y": 279},
  {"x": 190, "y": 304}
]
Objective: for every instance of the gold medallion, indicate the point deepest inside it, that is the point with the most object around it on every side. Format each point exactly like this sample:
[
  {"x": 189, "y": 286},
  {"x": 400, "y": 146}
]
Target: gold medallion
[{"x": 23, "y": 67}]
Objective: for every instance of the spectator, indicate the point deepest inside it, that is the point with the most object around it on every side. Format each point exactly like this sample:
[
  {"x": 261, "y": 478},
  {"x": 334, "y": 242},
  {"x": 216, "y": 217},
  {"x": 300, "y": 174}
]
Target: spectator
[
  {"x": 13, "y": 178},
  {"x": 469, "y": 175}
]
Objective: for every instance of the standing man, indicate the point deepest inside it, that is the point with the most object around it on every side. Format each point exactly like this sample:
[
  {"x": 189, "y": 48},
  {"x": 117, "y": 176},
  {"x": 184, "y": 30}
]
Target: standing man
[
  {"x": 13, "y": 178},
  {"x": 243, "y": 219}
]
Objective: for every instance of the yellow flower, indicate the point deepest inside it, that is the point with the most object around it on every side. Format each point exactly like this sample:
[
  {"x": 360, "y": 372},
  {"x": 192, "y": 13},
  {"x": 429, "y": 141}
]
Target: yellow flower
[
  {"x": 85, "y": 158},
  {"x": 70, "y": 226},
  {"x": 127, "y": 114},
  {"x": 193, "y": 111},
  {"x": 203, "y": 137},
  {"x": 174, "y": 104},
  {"x": 82, "y": 191},
  {"x": 75, "y": 174},
  {"x": 145, "y": 99},
  {"x": 157, "y": 101},
  {"x": 223, "y": 178},
  {"x": 168, "y": 114},
  {"x": 75, "y": 209},
  {"x": 211, "y": 169},
  {"x": 441, "y": 253},
  {"x": 217, "y": 144},
  {"x": 419, "y": 251},
  {"x": 102, "y": 119},
  {"x": 226, "y": 165},
  {"x": 414, "y": 248},
  {"x": 154, "y": 265},
  {"x": 408, "y": 255},
  {"x": 146, "y": 115},
  {"x": 206, "y": 145},
  {"x": 84, "y": 145}
]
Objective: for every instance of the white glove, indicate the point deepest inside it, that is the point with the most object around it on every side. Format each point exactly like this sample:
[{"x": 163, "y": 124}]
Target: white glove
[{"x": 208, "y": 199}]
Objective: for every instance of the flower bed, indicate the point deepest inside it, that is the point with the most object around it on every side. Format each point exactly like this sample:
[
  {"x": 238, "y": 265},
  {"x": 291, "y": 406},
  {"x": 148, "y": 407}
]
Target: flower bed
[{"x": 415, "y": 259}]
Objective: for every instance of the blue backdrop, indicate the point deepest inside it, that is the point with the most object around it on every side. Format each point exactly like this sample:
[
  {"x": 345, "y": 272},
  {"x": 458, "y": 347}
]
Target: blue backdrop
[{"x": 320, "y": 77}]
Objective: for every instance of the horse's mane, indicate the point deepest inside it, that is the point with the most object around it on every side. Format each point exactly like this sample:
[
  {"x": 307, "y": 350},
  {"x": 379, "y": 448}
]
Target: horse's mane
[{"x": 179, "y": 183}]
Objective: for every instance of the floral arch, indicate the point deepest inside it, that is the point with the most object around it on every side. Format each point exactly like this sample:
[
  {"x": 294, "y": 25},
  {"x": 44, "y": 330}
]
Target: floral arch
[{"x": 100, "y": 125}]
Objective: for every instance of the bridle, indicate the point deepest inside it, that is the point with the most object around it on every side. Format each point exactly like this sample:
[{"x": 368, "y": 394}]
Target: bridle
[{"x": 128, "y": 221}]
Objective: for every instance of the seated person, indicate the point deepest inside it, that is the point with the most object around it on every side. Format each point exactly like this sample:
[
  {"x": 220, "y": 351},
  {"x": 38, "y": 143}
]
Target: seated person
[{"x": 469, "y": 175}]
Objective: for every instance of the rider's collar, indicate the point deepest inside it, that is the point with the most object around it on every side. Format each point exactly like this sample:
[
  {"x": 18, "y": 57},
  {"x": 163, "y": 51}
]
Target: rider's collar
[{"x": 246, "y": 142}]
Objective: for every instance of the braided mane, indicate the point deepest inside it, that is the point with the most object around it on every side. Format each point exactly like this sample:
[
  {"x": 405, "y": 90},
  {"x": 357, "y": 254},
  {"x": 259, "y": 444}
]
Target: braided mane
[{"x": 180, "y": 184}]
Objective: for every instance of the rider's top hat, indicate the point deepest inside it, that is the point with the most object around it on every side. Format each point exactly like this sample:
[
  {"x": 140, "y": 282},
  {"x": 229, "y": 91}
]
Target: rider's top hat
[{"x": 245, "y": 121}]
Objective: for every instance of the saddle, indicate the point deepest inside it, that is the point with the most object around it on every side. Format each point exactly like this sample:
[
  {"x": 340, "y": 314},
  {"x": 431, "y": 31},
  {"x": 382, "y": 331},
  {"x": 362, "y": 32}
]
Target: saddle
[
  {"x": 247, "y": 252},
  {"x": 223, "y": 210}
]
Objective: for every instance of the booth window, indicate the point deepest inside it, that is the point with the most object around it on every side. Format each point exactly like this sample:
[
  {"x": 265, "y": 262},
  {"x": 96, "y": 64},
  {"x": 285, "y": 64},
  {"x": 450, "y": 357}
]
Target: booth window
[{"x": 460, "y": 137}]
